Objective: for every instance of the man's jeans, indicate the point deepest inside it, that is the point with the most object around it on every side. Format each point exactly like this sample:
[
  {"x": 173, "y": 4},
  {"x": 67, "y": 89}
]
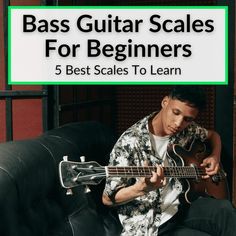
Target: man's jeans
[{"x": 205, "y": 217}]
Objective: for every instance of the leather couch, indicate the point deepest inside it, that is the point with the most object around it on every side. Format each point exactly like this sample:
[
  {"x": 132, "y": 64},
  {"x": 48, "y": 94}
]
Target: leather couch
[{"x": 32, "y": 201}]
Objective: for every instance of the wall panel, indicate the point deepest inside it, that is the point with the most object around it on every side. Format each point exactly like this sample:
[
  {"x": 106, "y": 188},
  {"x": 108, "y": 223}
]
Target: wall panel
[
  {"x": 2, "y": 51},
  {"x": 2, "y": 121},
  {"x": 23, "y": 108},
  {"x": 27, "y": 118},
  {"x": 135, "y": 102}
]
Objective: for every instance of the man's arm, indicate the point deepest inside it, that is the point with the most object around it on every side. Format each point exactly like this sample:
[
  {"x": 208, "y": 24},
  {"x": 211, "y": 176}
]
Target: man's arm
[
  {"x": 140, "y": 188},
  {"x": 123, "y": 195},
  {"x": 211, "y": 163}
]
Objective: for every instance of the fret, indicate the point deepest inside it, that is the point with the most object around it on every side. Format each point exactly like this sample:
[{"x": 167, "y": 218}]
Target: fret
[{"x": 138, "y": 170}]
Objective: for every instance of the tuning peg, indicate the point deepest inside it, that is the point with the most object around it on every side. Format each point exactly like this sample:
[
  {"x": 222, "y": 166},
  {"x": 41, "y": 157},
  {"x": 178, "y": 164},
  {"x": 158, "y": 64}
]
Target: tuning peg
[
  {"x": 82, "y": 158},
  {"x": 69, "y": 191},
  {"x": 65, "y": 158},
  {"x": 87, "y": 189}
]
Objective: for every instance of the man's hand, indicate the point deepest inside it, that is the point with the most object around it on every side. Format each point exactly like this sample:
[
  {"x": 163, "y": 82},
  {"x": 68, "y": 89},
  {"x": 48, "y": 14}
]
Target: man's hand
[
  {"x": 140, "y": 188},
  {"x": 156, "y": 181},
  {"x": 211, "y": 165}
]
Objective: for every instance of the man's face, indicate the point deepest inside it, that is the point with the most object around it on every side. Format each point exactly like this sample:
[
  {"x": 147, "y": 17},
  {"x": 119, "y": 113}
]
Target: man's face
[{"x": 176, "y": 115}]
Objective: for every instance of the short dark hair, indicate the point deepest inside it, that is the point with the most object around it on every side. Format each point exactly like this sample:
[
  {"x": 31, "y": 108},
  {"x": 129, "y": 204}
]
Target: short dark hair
[{"x": 193, "y": 95}]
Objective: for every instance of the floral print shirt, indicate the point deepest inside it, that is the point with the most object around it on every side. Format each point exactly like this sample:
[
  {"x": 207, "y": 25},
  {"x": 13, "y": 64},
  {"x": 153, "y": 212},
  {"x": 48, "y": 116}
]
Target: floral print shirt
[{"x": 141, "y": 216}]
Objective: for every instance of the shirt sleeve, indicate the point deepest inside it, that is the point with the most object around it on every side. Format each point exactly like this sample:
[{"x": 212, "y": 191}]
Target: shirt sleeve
[
  {"x": 198, "y": 132},
  {"x": 189, "y": 134},
  {"x": 121, "y": 155}
]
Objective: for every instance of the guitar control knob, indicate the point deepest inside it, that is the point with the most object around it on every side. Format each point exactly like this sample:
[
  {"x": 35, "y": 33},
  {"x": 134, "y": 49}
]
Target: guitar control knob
[{"x": 69, "y": 191}]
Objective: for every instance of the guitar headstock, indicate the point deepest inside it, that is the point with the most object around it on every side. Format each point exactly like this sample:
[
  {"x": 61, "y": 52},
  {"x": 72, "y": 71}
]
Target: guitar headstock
[{"x": 73, "y": 174}]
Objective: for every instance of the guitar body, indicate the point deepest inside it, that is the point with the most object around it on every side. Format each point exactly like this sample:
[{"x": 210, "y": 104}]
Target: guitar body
[{"x": 195, "y": 187}]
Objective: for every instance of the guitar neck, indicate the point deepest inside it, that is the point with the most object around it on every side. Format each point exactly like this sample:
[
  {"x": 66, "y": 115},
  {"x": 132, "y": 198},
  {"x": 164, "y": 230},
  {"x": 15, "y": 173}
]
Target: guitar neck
[{"x": 188, "y": 172}]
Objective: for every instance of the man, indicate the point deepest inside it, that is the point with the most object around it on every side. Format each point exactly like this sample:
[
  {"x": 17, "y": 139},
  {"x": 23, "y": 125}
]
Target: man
[{"x": 151, "y": 206}]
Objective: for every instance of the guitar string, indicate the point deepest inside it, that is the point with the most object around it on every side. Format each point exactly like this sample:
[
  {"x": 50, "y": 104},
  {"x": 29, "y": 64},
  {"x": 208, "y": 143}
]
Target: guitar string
[
  {"x": 176, "y": 171},
  {"x": 148, "y": 169}
]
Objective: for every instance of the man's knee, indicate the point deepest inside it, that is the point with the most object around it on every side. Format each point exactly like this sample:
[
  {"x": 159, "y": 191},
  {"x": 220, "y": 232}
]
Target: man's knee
[
  {"x": 183, "y": 231},
  {"x": 223, "y": 208},
  {"x": 224, "y": 204},
  {"x": 210, "y": 207}
]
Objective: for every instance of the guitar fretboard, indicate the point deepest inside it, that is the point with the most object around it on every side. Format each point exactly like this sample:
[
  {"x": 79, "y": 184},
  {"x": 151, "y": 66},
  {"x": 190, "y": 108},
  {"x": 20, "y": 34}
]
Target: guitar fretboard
[{"x": 174, "y": 172}]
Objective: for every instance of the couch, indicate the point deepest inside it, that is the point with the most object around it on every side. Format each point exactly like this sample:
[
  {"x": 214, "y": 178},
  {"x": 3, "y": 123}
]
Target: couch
[{"x": 32, "y": 201}]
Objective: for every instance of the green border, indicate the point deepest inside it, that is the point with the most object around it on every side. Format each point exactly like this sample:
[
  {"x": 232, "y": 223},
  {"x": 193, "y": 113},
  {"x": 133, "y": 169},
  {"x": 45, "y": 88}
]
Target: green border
[
  {"x": 10, "y": 8},
  {"x": 117, "y": 7}
]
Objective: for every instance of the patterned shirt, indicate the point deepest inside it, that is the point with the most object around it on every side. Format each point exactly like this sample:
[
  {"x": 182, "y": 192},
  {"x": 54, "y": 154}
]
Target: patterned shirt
[{"x": 142, "y": 215}]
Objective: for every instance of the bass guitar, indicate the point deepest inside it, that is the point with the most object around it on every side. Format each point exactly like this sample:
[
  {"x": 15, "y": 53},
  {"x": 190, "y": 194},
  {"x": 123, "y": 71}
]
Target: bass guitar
[{"x": 187, "y": 169}]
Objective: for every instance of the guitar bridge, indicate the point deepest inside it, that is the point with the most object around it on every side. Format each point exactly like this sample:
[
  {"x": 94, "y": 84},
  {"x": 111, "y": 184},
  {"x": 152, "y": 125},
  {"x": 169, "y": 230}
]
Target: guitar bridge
[{"x": 219, "y": 176}]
